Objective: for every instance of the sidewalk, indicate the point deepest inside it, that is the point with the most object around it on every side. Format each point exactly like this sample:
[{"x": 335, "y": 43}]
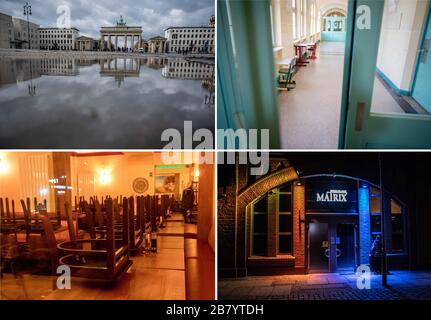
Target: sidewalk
[{"x": 402, "y": 285}]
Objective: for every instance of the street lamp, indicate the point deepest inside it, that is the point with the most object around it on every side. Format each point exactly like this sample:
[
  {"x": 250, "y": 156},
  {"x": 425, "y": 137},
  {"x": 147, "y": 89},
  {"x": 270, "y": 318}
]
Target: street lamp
[
  {"x": 27, "y": 12},
  {"x": 384, "y": 263}
]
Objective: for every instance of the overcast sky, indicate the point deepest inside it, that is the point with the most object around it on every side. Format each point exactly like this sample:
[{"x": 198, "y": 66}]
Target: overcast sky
[{"x": 89, "y": 15}]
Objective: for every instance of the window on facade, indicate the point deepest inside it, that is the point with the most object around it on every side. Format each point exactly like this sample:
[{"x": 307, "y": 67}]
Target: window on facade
[
  {"x": 375, "y": 213},
  {"x": 285, "y": 222},
  {"x": 282, "y": 216},
  {"x": 397, "y": 224},
  {"x": 260, "y": 227}
]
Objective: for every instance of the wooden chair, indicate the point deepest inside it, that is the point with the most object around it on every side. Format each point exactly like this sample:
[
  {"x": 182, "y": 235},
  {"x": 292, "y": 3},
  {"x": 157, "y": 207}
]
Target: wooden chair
[
  {"x": 37, "y": 256},
  {"x": 102, "y": 259},
  {"x": 73, "y": 232},
  {"x": 98, "y": 214},
  {"x": 8, "y": 223},
  {"x": 136, "y": 233},
  {"x": 89, "y": 219}
]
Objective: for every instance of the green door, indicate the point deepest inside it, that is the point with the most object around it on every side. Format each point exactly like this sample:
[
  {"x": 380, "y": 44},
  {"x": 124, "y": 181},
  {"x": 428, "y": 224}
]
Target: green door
[
  {"x": 378, "y": 110},
  {"x": 421, "y": 91}
]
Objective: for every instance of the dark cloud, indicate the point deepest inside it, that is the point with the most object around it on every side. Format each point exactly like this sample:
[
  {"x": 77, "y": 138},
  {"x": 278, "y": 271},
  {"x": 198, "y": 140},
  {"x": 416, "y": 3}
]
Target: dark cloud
[{"x": 88, "y": 16}]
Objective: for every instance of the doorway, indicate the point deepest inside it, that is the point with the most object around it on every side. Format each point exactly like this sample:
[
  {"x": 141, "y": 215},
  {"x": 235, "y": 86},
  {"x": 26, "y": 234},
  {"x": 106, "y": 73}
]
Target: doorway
[
  {"x": 331, "y": 246},
  {"x": 345, "y": 251},
  {"x": 421, "y": 92},
  {"x": 319, "y": 247}
]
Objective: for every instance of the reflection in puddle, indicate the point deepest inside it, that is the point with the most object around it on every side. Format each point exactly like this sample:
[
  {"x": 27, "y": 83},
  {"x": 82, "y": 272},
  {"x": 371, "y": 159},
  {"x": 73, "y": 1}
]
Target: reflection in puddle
[{"x": 117, "y": 103}]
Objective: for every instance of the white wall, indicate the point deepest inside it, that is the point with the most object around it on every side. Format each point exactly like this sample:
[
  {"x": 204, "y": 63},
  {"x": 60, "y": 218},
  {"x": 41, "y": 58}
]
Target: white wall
[
  {"x": 400, "y": 41},
  {"x": 26, "y": 174},
  {"x": 282, "y": 23},
  {"x": 124, "y": 169}
]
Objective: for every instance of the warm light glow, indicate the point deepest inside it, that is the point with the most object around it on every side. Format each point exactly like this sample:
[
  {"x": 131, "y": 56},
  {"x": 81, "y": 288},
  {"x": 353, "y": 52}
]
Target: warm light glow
[
  {"x": 105, "y": 176},
  {"x": 43, "y": 192},
  {"x": 4, "y": 166},
  {"x": 197, "y": 173}
]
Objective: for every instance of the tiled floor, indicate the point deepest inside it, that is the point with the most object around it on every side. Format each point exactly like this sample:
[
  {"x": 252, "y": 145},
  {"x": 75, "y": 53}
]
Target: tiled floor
[
  {"x": 402, "y": 285},
  {"x": 152, "y": 276},
  {"x": 310, "y": 113}
]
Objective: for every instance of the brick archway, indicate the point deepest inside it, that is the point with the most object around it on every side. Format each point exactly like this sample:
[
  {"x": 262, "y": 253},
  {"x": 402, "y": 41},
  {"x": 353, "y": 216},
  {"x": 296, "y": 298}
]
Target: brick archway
[
  {"x": 266, "y": 184},
  {"x": 246, "y": 197}
]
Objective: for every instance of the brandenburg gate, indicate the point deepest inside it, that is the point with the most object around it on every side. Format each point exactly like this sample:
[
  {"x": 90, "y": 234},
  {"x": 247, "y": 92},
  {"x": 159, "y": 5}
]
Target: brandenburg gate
[{"x": 109, "y": 36}]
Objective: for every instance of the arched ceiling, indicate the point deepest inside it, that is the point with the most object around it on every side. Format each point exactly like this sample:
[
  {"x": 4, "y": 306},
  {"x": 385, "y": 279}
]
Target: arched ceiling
[{"x": 327, "y": 6}]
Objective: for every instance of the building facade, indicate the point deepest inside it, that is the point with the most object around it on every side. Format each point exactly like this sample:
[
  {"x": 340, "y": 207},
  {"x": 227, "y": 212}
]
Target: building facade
[
  {"x": 282, "y": 223},
  {"x": 156, "y": 45},
  {"x": 191, "y": 39},
  {"x": 58, "y": 38},
  {"x": 84, "y": 43},
  {"x": 121, "y": 37},
  {"x": 25, "y": 35},
  {"x": 183, "y": 69},
  {"x": 6, "y": 31}
]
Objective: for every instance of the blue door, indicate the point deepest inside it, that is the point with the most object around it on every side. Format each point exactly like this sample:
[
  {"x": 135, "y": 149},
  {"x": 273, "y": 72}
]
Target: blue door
[{"x": 421, "y": 90}]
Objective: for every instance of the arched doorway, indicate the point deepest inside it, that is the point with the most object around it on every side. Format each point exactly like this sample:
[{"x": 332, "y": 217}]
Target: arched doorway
[{"x": 334, "y": 25}]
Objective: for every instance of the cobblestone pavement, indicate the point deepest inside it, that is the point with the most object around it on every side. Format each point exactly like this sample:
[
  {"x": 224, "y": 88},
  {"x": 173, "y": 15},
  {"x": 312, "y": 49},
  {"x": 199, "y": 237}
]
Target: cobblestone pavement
[{"x": 403, "y": 285}]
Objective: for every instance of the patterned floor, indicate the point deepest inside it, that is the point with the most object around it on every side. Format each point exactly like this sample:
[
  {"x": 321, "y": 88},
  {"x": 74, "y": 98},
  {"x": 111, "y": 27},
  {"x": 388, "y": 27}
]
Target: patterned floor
[{"x": 403, "y": 285}]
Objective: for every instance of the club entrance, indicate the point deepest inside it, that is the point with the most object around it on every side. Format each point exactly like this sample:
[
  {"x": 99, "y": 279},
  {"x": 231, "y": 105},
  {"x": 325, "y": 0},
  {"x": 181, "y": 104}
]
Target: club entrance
[{"x": 332, "y": 244}]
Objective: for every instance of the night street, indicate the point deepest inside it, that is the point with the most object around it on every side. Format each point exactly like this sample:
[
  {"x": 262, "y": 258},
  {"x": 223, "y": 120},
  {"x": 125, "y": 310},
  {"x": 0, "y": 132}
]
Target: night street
[{"x": 403, "y": 285}]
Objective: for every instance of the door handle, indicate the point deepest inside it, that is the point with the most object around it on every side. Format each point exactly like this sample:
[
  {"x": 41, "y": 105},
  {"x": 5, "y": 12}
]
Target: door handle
[
  {"x": 360, "y": 116},
  {"x": 327, "y": 253},
  {"x": 425, "y": 51},
  {"x": 338, "y": 252}
]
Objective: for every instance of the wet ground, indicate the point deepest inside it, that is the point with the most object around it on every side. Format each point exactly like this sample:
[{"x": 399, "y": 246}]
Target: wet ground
[
  {"x": 402, "y": 285},
  {"x": 104, "y": 102}
]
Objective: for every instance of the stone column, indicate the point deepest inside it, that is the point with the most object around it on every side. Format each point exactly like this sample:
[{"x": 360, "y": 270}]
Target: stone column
[
  {"x": 133, "y": 41},
  {"x": 298, "y": 228},
  {"x": 140, "y": 41},
  {"x": 125, "y": 41},
  {"x": 109, "y": 42},
  {"x": 116, "y": 42}
]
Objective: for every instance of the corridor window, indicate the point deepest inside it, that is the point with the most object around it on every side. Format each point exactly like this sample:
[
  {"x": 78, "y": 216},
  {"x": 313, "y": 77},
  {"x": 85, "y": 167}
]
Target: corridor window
[
  {"x": 397, "y": 224},
  {"x": 304, "y": 19},
  {"x": 294, "y": 19},
  {"x": 272, "y": 24}
]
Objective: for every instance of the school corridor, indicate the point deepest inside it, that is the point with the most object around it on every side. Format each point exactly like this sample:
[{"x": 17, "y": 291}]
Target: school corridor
[{"x": 319, "y": 75}]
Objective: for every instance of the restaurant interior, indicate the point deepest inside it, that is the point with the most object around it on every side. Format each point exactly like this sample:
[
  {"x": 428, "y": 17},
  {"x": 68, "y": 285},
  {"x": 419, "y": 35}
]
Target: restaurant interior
[{"x": 107, "y": 225}]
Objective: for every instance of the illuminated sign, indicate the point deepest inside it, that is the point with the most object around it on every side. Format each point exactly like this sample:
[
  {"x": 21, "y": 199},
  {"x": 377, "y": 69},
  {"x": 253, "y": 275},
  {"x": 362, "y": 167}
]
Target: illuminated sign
[{"x": 331, "y": 195}]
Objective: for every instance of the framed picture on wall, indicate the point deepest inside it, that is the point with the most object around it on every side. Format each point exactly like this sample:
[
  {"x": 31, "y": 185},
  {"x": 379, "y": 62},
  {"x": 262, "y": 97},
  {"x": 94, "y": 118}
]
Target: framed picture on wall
[{"x": 167, "y": 183}]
